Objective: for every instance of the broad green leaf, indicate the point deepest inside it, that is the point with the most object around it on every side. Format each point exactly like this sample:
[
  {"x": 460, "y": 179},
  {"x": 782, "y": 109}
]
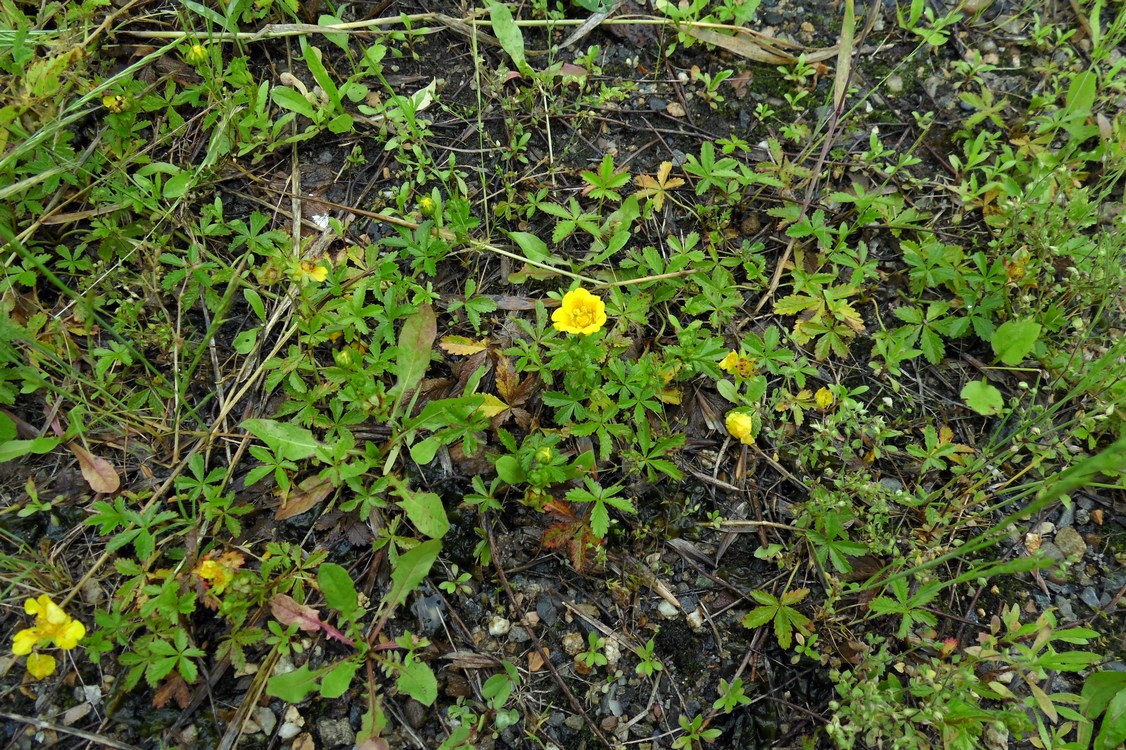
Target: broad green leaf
[
  {"x": 14, "y": 449},
  {"x": 983, "y": 398},
  {"x": 338, "y": 589},
  {"x": 759, "y": 616},
  {"x": 509, "y": 35},
  {"x": 534, "y": 248},
  {"x": 416, "y": 341},
  {"x": 728, "y": 390},
  {"x": 423, "y": 451},
  {"x": 288, "y": 441},
  {"x": 1013, "y": 341},
  {"x": 7, "y": 428},
  {"x": 1081, "y": 94},
  {"x": 339, "y": 38},
  {"x": 1113, "y": 733},
  {"x": 426, "y": 512},
  {"x": 508, "y": 469},
  {"x": 417, "y": 680},
  {"x": 295, "y": 686},
  {"x": 283, "y": 96},
  {"x": 254, "y": 299},
  {"x": 410, "y": 570},
  {"x": 336, "y": 682},
  {"x": 1100, "y": 688}
]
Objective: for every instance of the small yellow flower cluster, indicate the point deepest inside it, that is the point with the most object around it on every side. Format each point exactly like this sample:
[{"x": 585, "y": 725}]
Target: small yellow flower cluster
[
  {"x": 52, "y": 624},
  {"x": 581, "y": 312},
  {"x": 218, "y": 572},
  {"x": 114, "y": 103},
  {"x": 743, "y": 425},
  {"x": 736, "y": 364}
]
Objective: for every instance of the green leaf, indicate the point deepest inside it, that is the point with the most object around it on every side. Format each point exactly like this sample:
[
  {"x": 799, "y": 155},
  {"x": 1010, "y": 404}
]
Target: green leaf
[
  {"x": 508, "y": 469},
  {"x": 599, "y": 520},
  {"x": 417, "y": 680},
  {"x": 338, "y": 679},
  {"x": 287, "y": 441},
  {"x": 759, "y": 616},
  {"x": 411, "y": 569},
  {"x": 295, "y": 686},
  {"x": 7, "y": 428},
  {"x": 416, "y": 339},
  {"x": 423, "y": 451},
  {"x": 1013, "y": 341},
  {"x": 533, "y": 247},
  {"x": 285, "y": 97},
  {"x": 932, "y": 346},
  {"x": 1081, "y": 95},
  {"x": 14, "y": 449},
  {"x": 426, "y": 512},
  {"x": 338, "y": 589},
  {"x": 1113, "y": 733},
  {"x": 509, "y": 35},
  {"x": 1100, "y": 688},
  {"x": 983, "y": 398}
]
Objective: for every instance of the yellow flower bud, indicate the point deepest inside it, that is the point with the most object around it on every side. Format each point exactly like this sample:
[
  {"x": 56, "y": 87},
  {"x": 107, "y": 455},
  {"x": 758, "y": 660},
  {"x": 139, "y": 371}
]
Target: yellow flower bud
[
  {"x": 40, "y": 665},
  {"x": 743, "y": 426},
  {"x": 823, "y": 398}
]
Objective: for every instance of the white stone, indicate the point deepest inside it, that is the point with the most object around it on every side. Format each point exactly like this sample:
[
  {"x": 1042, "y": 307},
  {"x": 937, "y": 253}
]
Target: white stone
[
  {"x": 499, "y": 626},
  {"x": 667, "y": 610}
]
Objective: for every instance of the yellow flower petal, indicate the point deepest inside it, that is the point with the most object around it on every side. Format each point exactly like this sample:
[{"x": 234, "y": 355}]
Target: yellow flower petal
[
  {"x": 69, "y": 635},
  {"x": 823, "y": 398},
  {"x": 581, "y": 312},
  {"x": 742, "y": 426},
  {"x": 730, "y": 363},
  {"x": 40, "y": 665},
  {"x": 24, "y": 641}
]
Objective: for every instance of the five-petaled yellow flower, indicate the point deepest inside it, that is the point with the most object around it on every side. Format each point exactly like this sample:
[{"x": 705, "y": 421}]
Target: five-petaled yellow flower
[
  {"x": 743, "y": 426},
  {"x": 735, "y": 364},
  {"x": 581, "y": 312},
  {"x": 52, "y": 624}
]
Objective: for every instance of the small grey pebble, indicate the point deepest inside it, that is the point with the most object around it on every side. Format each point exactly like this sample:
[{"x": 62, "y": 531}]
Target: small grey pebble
[
  {"x": 658, "y": 105},
  {"x": 574, "y": 722},
  {"x": 1082, "y": 517},
  {"x": 1085, "y": 502},
  {"x": 1064, "y": 606},
  {"x": 772, "y": 17},
  {"x": 1051, "y": 551},
  {"x": 335, "y": 732},
  {"x": 1071, "y": 543},
  {"x": 519, "y": 634},
  {"x": 1067, "y": 518},
  {"x": 1090, "y": 597},
  {"x": 545, "y": 608}
]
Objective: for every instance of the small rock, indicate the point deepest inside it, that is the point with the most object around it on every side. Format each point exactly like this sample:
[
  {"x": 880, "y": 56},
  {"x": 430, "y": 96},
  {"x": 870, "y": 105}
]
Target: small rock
[
  {"x": 573, "y": 722},
  {"x": 609, "y": 724},
  {"x": 1067, "y": 517},
  {"x": 612, "y": 652},
  {"x": 658, "y": 104},
  {"x": 1082, "y": 516},
  {"x": 265, "y": 719},
  {"x": 545, "y": 608},
  {"x": 335, "y": 732},
  {"x": 1071, "y": 543},
  {"x": 1090, "y": 597},
  {"x": 499, "y": 626},
  {"x": 1050, "y": 550},
  {"x": 1032, "y": 541},
  {"x": 1044, "y": 528},
  {"x": 292, "y": 724},
  {"x": 1063, "y": 604},
  {"x": 573, "y": 643},
  {"x": 894, "y": 85},
  {"x": 519, "y": 634},
  {"x": 696, "y": 619},
  {"x": 415, "y": 713},
  {"x": 675, "y": 109}
]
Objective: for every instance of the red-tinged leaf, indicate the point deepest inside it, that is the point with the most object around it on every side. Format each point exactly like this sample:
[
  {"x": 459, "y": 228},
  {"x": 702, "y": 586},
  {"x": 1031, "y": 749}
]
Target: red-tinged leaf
[
  {"x": 309, "y": 493},
  {"x": 97, "y": 472},
  {"x": 335, "y": 634},
  {"x": 173, "y": 688},
  {"x": 416, "y": 339},
  {"x": 288, "y": 612},
  {"x": 511, "y": 75},
  {"x": 570, "y": 69}
]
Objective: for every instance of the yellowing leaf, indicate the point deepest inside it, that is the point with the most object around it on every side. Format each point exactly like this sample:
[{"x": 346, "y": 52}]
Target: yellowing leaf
[
  {"x": 461, "y": 346},
  {"x": 492, "y": 406},
  {"x": 655, "y": 188}
]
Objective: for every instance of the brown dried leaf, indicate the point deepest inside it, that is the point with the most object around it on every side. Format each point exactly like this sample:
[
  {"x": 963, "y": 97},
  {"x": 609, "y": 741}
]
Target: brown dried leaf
[
  {"x": 311, "y": 491},
  {"x": 535, "y": 661},
  {"x": 97, "y": 472},
  {"x": 507, "y": 379},
  {"x": 173, "y": 688},
  {"x": 288, "y": 612}
]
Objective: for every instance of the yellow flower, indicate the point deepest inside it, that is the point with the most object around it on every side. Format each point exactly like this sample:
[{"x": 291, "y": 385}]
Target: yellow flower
[
  {"x": 68, "y": 636},
  {"x": 823, "y": 398},
  {"x": 426, "y": 205},
  {"x": 742, "y": 425},
  {"x": 310, "y": 270},
  {"x": 581, "y": 312},
  {"x": 196, "y": 55},
  {"x": 24, "y": 641},
  {"x": 40, "y": 665},
  {"x": 730, "y": 363},
  {"x": 220, "y": 571},
  {"x": 734, "y": 364},
  {"x": 113, "y": 103}
]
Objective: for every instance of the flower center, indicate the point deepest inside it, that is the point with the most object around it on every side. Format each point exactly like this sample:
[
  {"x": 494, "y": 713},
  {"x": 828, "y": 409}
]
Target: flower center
[{"x": 582, "y": 317}]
